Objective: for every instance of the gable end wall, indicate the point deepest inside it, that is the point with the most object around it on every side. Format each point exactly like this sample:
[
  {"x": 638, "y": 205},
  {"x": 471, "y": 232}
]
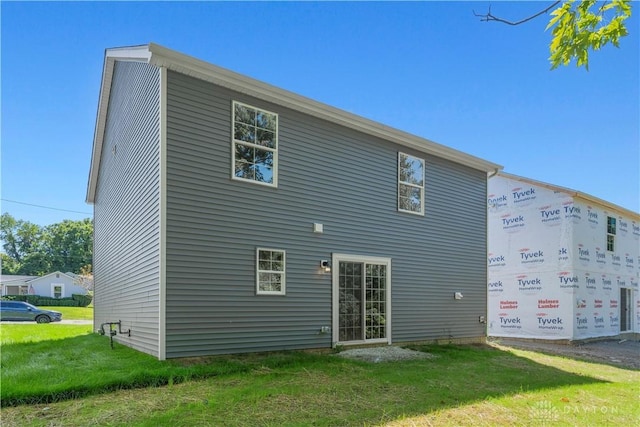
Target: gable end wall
[{"x": 126, "y": 209}]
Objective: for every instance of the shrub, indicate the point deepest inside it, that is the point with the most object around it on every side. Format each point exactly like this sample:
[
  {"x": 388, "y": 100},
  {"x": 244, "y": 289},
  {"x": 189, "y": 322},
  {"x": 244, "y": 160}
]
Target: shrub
[
  {"x": 76, "y": 300},
  {"x": 16, "y": 298},
  {"x": 58, "y": 302},
  {"x": 32, "y": 299},
  {"x": 83, "y": 300}
]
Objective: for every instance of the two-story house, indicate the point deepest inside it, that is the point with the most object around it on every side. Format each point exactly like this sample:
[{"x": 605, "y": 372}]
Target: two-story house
[{"x": 234, "y": 216}]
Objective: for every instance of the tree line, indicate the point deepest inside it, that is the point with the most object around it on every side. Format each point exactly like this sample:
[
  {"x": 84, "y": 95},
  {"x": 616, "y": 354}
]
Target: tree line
[{"x": 33, "y": 250}]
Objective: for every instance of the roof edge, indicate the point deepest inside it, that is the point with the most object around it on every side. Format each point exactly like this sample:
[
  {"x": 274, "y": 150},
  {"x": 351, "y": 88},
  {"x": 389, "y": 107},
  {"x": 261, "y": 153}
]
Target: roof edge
[
  {"x": 163, "y": 57},
  {"x": 132, "y": 53},
  {"x": 179, "y": 62},
  {"x": 574, "y": 193},
  {"x": 50, "y": 274}
]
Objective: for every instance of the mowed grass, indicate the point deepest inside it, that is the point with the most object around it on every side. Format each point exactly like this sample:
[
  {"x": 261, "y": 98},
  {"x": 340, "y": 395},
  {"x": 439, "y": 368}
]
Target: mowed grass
[
  {"x": 54, "y": 362},
  {"x": 73, "y": 313},
  {"x": 33, "y": 332},
  {"x": 462, "y": 385}
]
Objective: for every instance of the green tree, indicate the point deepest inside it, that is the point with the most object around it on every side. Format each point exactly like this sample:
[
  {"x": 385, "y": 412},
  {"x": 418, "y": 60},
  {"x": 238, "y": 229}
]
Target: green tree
[
  {"x": 34, "y": 250},
  {"x": 578, "y": 27},
  {"x": 69, "y": 245},
  {"x": 23, "y": 245},
  {"x": 8, "y": 265}
]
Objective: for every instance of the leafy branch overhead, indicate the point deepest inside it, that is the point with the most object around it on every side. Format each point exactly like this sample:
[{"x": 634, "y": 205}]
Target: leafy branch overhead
[{"x": 578, "y": 27}]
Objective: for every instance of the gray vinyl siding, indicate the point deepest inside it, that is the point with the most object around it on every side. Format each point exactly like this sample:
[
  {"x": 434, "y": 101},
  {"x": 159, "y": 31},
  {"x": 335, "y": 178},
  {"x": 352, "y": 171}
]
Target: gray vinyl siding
[
  {"x": 341, "y": 178},
  {"x": 126, "y": 210}
]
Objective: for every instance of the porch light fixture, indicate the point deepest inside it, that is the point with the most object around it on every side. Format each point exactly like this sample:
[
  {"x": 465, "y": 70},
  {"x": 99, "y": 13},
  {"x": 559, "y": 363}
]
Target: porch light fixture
[{"x": 324, "y": 264}]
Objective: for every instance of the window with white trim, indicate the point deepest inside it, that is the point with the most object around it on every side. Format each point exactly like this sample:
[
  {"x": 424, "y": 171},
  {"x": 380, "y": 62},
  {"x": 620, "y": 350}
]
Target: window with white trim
[
  {"x": 255, "y": 145},
  {"x": 56, "y": 290},
  {"x": 611, "y": 234},
  {"x": 410, "y": 184},
  {"x": 270, "y": 271}
]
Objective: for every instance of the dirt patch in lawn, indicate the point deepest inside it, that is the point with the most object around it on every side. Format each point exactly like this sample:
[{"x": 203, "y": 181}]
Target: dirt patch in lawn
[{"x": 384, "y": 354}]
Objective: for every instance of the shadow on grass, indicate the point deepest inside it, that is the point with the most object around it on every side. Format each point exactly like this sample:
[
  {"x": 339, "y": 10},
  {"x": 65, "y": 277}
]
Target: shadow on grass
[
  {"x": 52, "y": 371},
  {"x": 468, "y": 373},
  {"x": 614, "y": 353},
  {"x": 330, "y": 390},
  {"x": 69, "y": 368}
]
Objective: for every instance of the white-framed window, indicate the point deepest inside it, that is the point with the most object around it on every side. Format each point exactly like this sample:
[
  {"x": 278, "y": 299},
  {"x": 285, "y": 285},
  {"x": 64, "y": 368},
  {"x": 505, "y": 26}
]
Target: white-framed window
[
  {"x": 16, "y": 290},
  {"x": 270, "y": 271},
  {"x": 255, "y": 145},
  {"x": 410, "y": 184},
  {"x": 611, "y": 234},
  {"x": 57, "y": 290}
]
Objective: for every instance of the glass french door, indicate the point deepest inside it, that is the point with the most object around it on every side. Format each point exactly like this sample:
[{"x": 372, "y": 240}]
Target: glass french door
[
  {"x": 625, "y": 309},
  {"x": 361, "y": 287}
]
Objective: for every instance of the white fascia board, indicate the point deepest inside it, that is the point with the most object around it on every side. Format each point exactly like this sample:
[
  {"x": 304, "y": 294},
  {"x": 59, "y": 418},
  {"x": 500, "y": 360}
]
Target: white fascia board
[
  {"x": 22, "y": 279},
  {"x": 575, "y": 194},
  {"x": 134, "y": 53},
  {"x": 47, "y": 275},
  {"x": 140, "y": 53},
  {"x": 161, "y": 56}
]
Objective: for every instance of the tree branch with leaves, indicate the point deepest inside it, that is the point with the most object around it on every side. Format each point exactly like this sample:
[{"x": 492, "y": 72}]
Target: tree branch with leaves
[{"x": 578, "y": 27}]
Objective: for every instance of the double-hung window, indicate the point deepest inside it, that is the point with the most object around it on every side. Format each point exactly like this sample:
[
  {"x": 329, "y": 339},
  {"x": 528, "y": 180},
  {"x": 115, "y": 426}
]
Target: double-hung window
[
  {"x": 410, "y": 184},
  {"x": 270, "y": 271},
  {"x": 255, "y": 145},
  {"x": 611, "y": 234}
]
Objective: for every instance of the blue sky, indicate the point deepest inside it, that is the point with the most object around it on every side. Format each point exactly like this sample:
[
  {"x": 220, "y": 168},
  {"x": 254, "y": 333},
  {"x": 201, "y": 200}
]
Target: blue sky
[{"x": 430, "y": 68}]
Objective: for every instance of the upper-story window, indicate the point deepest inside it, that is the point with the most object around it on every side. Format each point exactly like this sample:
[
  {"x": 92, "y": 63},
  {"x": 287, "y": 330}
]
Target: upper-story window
[
  {"x": 255, "y": 145},
  {"x": 611, "y": 234},
  {"x": 410, "y": 184}
]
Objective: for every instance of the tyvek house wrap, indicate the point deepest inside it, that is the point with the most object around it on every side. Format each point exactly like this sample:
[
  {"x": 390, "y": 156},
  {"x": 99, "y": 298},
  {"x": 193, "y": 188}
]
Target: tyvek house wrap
[{"x": 550, "y": 275}]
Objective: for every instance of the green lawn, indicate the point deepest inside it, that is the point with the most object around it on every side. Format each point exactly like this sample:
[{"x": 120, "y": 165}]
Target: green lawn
[
  {"x": 73, "y": 313},
  {"x": 34, "y": 332},
  {"x": 87, "y": 383}
]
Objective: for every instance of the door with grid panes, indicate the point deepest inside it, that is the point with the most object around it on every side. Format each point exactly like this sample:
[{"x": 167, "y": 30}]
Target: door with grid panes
[
  {"x": 362, "y": 293},
  {"x": 625, "y": 309}
]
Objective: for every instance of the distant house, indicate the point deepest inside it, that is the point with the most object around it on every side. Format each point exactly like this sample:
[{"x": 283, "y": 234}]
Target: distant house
[
  {"x": 233, "y": 216},
  {"x": 54, "y": 285},
  {"x": 562, "y": 264}
]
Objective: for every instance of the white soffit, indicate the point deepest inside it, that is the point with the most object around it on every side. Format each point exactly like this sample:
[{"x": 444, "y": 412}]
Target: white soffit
[
  {"x": 575, "y": 193},
  {"x": 185, "y": 64},
  {"x": 162, "y": 57},
  {"x": 135, "y": 53}
]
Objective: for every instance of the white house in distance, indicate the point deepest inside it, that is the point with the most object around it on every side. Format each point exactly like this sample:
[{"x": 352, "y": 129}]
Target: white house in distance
[
  {"x": 54, "y": 285},
  {"x": 562, "y": 265}
]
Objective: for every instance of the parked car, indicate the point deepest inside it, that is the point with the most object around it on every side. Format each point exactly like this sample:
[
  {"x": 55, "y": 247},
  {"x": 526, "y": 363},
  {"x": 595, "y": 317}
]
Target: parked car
[{"x": 18, "y": 310}]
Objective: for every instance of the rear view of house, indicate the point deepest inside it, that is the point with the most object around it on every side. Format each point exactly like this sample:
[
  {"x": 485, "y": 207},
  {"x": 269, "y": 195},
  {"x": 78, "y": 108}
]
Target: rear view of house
[{"x": 234, "y": 216}]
